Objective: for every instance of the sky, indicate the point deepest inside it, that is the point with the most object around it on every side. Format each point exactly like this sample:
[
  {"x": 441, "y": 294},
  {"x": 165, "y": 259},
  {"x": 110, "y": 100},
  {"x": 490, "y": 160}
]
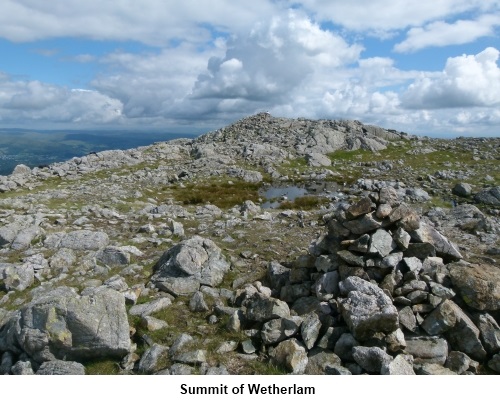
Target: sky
[{"x": 427, "y": 67}]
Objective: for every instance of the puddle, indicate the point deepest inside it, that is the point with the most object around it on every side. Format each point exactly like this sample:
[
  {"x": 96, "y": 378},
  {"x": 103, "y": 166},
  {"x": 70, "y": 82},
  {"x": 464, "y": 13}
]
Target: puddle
[{"x": 277, "y": 193}]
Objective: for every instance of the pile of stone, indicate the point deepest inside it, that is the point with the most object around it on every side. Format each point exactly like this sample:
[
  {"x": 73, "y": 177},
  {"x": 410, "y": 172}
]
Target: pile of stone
[{"x": 381, "y": 292}]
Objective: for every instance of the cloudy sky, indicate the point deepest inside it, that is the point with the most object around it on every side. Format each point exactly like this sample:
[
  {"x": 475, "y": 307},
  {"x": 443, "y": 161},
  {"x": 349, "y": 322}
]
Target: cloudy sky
[{"x": 428, "y": 67}]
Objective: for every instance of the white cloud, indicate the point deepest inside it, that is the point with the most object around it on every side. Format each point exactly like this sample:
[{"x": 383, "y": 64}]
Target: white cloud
[
  {"x": 278, "y": 57},
  {"x": 29, "y": 102},
  {"x": 441, "y": 33},
  {"x": 387, "y": 15},
  {"x": 467, "y": 81},
  {"x": 153, "y": 22}
]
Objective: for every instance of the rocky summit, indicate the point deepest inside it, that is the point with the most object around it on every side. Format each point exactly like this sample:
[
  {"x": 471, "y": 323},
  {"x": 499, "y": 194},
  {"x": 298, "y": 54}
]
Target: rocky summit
[{"x": 271, "y": 246}]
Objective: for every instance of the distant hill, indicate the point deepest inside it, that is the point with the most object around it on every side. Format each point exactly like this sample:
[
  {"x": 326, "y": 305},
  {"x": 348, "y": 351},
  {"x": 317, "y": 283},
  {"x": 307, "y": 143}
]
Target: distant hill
[{"x": 38, "y": 148}]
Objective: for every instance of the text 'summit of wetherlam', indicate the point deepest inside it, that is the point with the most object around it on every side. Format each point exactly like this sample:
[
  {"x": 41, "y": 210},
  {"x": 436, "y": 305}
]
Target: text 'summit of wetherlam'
[{"x": 243, "y": 389}]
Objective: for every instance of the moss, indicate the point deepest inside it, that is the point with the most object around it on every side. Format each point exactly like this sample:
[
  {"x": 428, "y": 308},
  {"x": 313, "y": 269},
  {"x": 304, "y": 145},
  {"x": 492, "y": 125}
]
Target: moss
[{"x": 102, "y": 367}]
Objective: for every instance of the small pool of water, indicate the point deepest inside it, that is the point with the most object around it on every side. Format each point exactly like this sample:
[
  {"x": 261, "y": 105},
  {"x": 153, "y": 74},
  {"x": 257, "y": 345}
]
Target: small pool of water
[{"x": 277, "y": 193}]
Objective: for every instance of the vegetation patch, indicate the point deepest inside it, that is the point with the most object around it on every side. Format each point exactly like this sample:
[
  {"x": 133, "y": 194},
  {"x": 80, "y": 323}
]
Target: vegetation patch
[
  {"x": 223, "y": 193},
  {"x": 306, "y": 202}
]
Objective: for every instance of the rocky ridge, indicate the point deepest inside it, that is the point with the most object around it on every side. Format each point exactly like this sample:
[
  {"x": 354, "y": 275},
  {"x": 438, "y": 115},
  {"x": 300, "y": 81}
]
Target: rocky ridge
[{"x": 163, "y": 259}]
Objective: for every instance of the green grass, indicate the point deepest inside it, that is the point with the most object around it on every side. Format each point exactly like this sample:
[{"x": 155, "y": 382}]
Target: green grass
[
  {"x": 306, "y": 203},
  {"x": 223, "y": 193}
]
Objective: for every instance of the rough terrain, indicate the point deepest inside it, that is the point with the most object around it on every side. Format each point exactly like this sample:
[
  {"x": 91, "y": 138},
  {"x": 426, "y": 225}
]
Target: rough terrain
[{"x": 170, "y": 259}]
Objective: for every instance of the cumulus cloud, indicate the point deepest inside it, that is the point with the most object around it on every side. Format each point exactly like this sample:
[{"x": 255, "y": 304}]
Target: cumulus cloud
[
  {"x": 441, "y": 33},
  {"x": 28, "y": 102},
  {"x": 278, "y": 57},
  {"x": 467, "y": 81}
]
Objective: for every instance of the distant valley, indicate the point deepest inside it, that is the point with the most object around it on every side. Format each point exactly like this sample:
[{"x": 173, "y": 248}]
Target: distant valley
[{"x": 37, "y": 148}]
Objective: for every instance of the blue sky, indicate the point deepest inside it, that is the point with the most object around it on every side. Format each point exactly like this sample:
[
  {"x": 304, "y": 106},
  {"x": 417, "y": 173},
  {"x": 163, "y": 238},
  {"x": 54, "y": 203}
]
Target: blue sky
[{"x": 428, "y": 67}]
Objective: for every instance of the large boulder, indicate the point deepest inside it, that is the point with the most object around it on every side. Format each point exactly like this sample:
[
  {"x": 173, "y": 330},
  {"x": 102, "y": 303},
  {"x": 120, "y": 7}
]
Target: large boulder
[
  {"x": 61, "y": 324},
  {"x": 489, "y": 196},
  {"x": 367, "y": 309},
  {"x": 477, "y": 284},
  {"x": 196, "y": 258}
]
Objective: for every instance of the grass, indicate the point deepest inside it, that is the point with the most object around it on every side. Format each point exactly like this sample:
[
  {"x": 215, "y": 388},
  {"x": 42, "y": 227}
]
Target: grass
[
  {"x": 306, "y": 203},
  {"x": 224, "y": 193}
]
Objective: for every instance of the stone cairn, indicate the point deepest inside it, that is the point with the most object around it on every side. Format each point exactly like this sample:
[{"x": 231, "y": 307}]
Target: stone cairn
[{"x": 381, "y": 292}]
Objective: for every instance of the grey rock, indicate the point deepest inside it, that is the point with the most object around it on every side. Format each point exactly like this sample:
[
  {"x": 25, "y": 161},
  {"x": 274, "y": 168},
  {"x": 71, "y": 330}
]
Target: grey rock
[
  {"x": 337, "y": 370},
  {"x": 427, "y": 234},
  {"x": 17, "y": 277},
  {"x": 6, "y": 363},
  {"x": 248, "y": 347},
  {"x": 441, "y": 320},
  {"x": 478, "y": 285},
  {"x": 364, "y": 224},
  {"x": 363, "y": 206},
  {"x": 21, "y": 171},
  {"x": 370, "y": 358},
  {"x": 197, "y": 258},
  {"x": 62, "y": 258},
  {"x": 362, "y": 244},
  {"x": 327, "y": 286},
  {"x": 317, "y": 160},
  {"x": 193, "y": 357},
  {"x": 262, "y": 308},
  {"x": 151, "y": 307},
  {"x": 178, "y": 285},
  {"x": 490, "y": 333},
  {"x": 401, "y": 365},
  {"x": 113, "y": 256},
  {"x": 464, "y": 336},
  {"x": 350, "y": 258},
  {"x": 432, "y": 369},
  {"x": 382, "y": 243},
  {"x": 420, "y": 250},
  {"x": 152, "y": 324},
  {"x": 344, "y": 345},
  {"x": 319, "y": 360},
  {"x": 490, "y": 196},
  {"x": 494, "y": 363},
  {"x": 59, "y": 367},
  {"x": 413, "y": 264},
  {"x": 427, "y": 349},
  {"x": 197, "y": 302},
  {"x": 150, "y": 360},
  {"x": 60, "y": 323},
  {"x": 462, "y": 190},
  {"x": 291, "y": 355},
  {"x": 22, "y": 368},
  {"x": 402, "y": 238},
  {"x": 417, "y": 194},
  {"x": 181, "y": 369},
  {"x": 395, "y": 341},
  {"x": 180, "y": 342},
  {"x": 277, "y": 330},
  {"x": 227, "y": 347},
  {"x": 458, "y": 362},
  {"x": 278, "y": 275},
  {"x": 367, "y": 308},
  {"x": 388, "y": 195},
  {"x": 23, "y": 239},
  {"x": 84, "y": 240},
  {"x": 310, "y": 329},
  {"x": 221, "y": 370}
]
